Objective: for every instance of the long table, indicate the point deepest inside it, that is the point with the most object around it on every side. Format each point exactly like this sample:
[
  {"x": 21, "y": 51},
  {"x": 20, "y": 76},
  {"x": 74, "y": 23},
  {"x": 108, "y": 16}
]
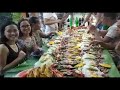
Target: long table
[{"x": 113, "y": 72}]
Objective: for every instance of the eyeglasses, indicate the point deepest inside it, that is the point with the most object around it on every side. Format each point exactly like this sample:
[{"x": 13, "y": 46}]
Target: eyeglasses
[{"x": 24, "y": 26}]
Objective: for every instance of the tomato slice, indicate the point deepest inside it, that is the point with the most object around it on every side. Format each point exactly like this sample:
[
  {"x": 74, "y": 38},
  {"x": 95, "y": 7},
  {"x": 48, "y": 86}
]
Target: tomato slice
[{"x": 22, "y": 74}]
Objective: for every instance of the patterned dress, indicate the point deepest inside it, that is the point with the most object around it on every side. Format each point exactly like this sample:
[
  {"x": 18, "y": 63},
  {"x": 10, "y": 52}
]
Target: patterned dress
[
  {"x": 38, "y": 38},
  {"x": 27, "y": 46}
]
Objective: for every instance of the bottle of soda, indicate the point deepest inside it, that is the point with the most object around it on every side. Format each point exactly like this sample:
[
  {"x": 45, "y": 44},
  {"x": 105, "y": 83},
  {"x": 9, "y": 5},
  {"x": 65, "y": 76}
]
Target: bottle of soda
[
  {"x": 76, "y": 22},
  {"x": 71, "y": 22},
  {"x": 68, "y": 20},
  {"x": 80, "y": 21}
]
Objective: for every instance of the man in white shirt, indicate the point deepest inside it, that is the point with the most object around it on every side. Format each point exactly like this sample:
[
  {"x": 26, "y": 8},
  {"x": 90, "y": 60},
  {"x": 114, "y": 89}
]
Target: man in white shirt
[
  {"x": 111, "y": 33},
  {"x": 51, "y": 22}
]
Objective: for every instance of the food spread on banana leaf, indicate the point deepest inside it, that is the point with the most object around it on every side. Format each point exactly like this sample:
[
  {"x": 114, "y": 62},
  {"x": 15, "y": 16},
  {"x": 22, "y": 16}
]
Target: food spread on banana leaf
[{"x": 71, "y": 56}]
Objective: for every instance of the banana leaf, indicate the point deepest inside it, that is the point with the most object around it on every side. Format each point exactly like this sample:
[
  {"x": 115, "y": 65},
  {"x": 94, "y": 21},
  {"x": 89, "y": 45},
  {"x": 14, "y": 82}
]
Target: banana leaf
[
  {"x": 113, "y": 72},
  {"x": 24, "y": 66},
  {"x": 45, "y": 48}
]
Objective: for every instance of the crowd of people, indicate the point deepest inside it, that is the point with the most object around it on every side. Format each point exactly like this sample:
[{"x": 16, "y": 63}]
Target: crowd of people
[
  {"x": 19, "y": 41},
  {"x": 109, "y": 35}
]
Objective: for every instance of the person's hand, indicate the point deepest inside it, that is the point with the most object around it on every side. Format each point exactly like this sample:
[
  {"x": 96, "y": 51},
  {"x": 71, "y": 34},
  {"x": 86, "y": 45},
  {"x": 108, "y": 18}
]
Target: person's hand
[
  {"x": 58, "y": 21},
  {"x": 52, "y": 33},
  {"x": 92, "y": 29},
  {"x": 65, "y": 17},
  {"x": 117, "y": 48},
  {"x": 82, "y": 24},
  {"x": 21, "y": 54},
  {"x": 96, "y": 42},
  {"x": 82, "y": 27}
]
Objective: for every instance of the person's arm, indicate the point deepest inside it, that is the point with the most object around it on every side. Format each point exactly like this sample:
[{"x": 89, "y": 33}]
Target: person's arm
[
  {"x": 3, "y": 58},
  {"x": 63, "y": 20},
  {"x": 103, "y": 44},
  {"x": 107, "y": 45},
  {"x": 103, "y": 32},
  {"x": 18, "y": 60},
  {"x": 49, "y": 21},
  {"x": 43, "y": 35},
  {"x": 117, "y": 48},
  {"x": 98, "y": 34},
  {"x": 87, "y": 18},
  {"x": 105, "y": 39},
  {"x": 111, "y": 34}
]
